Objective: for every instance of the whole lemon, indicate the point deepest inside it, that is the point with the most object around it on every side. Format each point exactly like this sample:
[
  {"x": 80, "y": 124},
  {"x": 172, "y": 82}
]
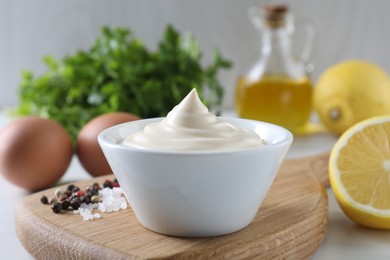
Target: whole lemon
[{"x": 350, "y": 92}]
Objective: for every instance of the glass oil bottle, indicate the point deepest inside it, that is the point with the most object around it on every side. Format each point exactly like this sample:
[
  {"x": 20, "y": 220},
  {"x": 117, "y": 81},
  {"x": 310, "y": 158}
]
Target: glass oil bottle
[{"x": 277, "y": 89}]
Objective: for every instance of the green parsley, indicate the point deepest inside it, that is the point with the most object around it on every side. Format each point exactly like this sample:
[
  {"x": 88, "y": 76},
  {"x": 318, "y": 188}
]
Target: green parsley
[{"x": 118, "y": 73}]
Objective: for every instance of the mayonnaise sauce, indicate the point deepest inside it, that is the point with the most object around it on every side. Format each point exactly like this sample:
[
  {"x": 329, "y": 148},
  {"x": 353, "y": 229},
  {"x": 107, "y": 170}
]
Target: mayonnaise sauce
[{"x": 191, "y": 127}]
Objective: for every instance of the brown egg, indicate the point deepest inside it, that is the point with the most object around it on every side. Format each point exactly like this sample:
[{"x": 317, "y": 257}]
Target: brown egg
[
  {"x": 88, "y": 150},
  {"x": 34, "y": 152}
]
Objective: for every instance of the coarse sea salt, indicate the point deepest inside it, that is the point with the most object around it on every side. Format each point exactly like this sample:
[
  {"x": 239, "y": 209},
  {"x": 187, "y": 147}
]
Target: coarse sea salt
[{"x": 112, "y": 200}]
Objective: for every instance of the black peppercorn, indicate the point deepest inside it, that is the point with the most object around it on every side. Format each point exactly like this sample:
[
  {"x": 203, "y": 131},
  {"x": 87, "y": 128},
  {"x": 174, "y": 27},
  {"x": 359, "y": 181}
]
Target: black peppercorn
[
  {"x": 107, "y": 184},
  {"x": 65, "y": 204},
  {"x": 93, "y": 190},
  {"x": 70, "y": 187},
  {"x": 86, "y": 199},
  {"x": 75, "y": 203},
  {"x": 72, "y": 196},
  {"x": 44, "y": 199},
  {"x": 75, "y": 189},
  {"x": 57, "y": 207}
]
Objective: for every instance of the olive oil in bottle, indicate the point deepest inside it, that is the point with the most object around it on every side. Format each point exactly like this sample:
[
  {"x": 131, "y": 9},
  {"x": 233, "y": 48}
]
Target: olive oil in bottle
[
  {"x": 276, "y": 99},
  {"x": 277, "y": 89}
]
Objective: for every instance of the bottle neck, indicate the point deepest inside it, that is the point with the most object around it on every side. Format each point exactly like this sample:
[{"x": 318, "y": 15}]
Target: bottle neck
[
  {"x": 277, "y": 55},
  {"x": 276, "y": 42}
]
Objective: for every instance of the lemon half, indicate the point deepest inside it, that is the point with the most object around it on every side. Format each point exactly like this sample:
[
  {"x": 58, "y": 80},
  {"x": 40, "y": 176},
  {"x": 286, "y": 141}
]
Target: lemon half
[{"x": 359, "y": 171}]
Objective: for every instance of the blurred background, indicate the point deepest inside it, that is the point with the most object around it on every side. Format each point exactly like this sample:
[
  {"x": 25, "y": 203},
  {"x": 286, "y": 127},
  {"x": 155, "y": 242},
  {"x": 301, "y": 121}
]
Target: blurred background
[{"x": 31, "y": 29}]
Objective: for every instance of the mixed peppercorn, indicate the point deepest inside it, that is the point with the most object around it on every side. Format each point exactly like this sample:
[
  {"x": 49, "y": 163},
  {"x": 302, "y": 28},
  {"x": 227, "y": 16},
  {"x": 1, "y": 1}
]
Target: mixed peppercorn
[{"x": 72, "y": 197}]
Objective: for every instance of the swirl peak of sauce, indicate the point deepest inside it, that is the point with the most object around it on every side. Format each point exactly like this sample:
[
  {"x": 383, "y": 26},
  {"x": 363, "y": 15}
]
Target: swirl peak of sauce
[{"x": 191, "y": 127}]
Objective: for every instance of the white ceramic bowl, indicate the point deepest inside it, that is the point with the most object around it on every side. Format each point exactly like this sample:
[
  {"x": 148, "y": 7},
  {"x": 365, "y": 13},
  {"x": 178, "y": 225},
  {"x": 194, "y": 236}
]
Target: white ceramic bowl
[{"x": 195, "y": 194}]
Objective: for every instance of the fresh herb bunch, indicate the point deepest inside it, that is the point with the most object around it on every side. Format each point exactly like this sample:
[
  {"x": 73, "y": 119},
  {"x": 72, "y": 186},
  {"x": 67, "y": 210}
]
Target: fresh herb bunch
[{"x": 118, "y": 73}]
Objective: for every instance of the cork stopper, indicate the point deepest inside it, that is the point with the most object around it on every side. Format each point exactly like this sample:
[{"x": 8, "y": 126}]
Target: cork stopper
[{"x": 275, "y": 15}]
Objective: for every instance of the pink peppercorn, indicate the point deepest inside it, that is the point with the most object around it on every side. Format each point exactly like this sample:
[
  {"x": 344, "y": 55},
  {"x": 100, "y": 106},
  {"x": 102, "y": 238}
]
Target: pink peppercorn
[{"x": 79, "y": 193}]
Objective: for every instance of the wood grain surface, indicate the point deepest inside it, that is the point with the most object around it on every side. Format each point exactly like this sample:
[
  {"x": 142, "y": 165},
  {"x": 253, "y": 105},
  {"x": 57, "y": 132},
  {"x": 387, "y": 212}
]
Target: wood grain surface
[
  {"x": 319, "y": 167},
  {"x": 290, "y": 224}
]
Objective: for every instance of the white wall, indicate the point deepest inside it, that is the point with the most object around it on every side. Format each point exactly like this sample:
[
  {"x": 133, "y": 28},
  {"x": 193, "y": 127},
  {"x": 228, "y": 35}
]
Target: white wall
[{"x": 30, "y": 29}]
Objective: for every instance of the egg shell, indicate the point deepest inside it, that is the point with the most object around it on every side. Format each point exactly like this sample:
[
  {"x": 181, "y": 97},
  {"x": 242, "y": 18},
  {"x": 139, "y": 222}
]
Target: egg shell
[
  {"x": 88, "y": 150},
  {"x": 34, "y": 152}
]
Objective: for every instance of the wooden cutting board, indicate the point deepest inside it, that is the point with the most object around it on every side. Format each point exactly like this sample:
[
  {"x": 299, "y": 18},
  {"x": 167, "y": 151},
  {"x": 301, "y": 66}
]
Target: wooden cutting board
[{"x": 291, "y": 223}]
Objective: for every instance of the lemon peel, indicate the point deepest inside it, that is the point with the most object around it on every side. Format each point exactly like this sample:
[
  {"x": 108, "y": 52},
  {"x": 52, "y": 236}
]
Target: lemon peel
[{"x": 349, "y": 92}]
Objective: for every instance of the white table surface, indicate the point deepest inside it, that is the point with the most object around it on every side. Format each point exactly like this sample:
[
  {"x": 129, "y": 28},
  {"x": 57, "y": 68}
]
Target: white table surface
[{"x": 343, "y": 240}]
